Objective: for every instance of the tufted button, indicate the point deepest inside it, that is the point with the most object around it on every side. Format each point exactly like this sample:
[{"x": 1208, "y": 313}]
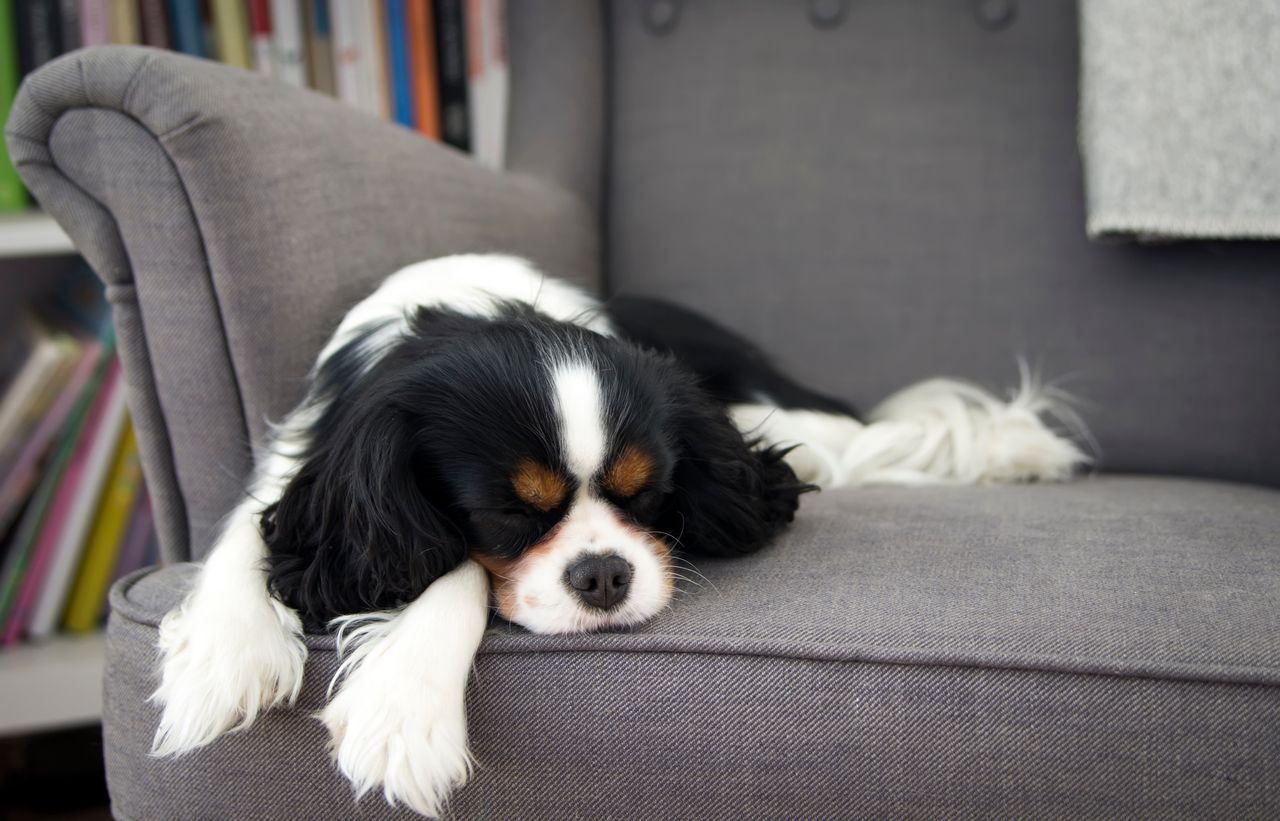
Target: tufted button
[
  {"x": 994, "y": 15},
  {"x": 661, "y": 16},
  {"x": 827, "y": 14}
]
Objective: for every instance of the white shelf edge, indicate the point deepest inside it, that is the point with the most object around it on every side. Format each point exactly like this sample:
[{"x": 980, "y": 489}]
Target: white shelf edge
[
  {"x": 33, "y": 234},
  {"x": 51, "y": 684}
]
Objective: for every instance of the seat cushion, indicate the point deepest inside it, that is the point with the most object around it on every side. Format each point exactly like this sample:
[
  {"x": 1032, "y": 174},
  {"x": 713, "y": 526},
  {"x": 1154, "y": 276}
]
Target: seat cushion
[{"x": 1106, "y": 647}]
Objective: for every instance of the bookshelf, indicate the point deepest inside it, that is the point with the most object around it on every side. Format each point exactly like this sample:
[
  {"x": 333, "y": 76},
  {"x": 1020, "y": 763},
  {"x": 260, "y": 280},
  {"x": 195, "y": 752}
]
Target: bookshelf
[
  {"x": 56, "y": 683},
  {"x": 53, "y": 684},
  {"x": 34, "y": 234}
]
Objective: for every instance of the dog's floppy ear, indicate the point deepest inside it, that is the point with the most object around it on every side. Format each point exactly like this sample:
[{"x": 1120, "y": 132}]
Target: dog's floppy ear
[
  {"x": 730, "y": 496},
  {"x": 356, "y": 529}
]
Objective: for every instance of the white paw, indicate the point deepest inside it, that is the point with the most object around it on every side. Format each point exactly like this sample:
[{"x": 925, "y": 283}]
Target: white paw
[
  {"x": 408, "y": 738},
  {"x": 224, "y": 665}
]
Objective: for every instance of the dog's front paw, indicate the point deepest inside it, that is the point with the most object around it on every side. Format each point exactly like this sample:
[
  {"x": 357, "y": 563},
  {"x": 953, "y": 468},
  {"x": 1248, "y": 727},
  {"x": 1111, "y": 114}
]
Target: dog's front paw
[
  {"x": 222, "y": 668},
  {"x": 408, "y": 738}
]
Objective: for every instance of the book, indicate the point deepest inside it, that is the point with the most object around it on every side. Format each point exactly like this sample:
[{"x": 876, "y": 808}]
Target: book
[
  {"x": 32, "y": 391},
  {"x": 231, "y": 33},
  {"x": 95, "y": 23},
  {"x": 320, "y": 46},
  {"x": 260, "y": 36},
  {"x": 186, "y": 27},
  {"x": 23, "y": 542},
  {"x": 376, "y": 44},
  {"x": 13, "y": 196},
  {"x": 422, "y": 67},
  {"x": 487, "y": 80},
  {"x": 69, "y": 17},
  {"x": 106, "y": 540},
  {"x": 135, "y": 548},
  {"x": 289, "y": 49},
  {"x": 23, "y": 473},
  {"x": 39, "y": 33},
  {"x": 208, "y": 39},
  {"x": 137, "y": 539},
  {"x": 154, "y": 17},
  {"x": 348, "y": 82},
  {"x": 24, "y": 401},
  {"x": 451, "y": 51},
  {"x": 126, "y": 27},
  {"x": 397, "y": 51},
  {"x": 359, "y": 75},
  {"x": 53, "y": 560}
]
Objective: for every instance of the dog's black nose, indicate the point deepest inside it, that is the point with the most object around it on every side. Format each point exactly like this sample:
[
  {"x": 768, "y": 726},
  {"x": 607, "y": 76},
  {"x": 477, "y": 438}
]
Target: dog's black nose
[{"x": 600, "y": 581}]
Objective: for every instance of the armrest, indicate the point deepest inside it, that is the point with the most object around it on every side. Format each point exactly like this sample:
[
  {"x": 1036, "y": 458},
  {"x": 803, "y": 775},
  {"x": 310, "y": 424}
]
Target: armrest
[{"x": 234, "y": 220}]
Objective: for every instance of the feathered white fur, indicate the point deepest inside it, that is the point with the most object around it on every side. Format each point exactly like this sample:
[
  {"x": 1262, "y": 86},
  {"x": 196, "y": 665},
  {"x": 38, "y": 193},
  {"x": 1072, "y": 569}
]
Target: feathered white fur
[
  {"x": 398, "y": 720},
  {"x": 231, "y": 650},
  {"x": 941, "y": 431}
]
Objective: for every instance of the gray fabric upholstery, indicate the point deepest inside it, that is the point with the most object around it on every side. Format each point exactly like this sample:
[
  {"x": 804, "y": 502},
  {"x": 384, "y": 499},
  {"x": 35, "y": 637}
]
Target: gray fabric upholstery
[
  {"x": 1107, "y": 648},
  {"x": 235, "y": 220},
  {"x": 908, "y": 185}
]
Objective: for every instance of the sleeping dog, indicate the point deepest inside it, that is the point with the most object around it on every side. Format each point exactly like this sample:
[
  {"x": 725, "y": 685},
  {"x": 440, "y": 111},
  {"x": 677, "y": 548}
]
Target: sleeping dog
[{"x": 474, "y": 433}]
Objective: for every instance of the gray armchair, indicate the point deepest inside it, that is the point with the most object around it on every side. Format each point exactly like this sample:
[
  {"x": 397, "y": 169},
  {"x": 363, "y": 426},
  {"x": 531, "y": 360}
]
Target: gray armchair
[{"x": 876, "y": 198}]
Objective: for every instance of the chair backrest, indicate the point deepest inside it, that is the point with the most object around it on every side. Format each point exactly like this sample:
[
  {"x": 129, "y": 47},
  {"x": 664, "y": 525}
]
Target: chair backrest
[{"x": 894, "y": 191}]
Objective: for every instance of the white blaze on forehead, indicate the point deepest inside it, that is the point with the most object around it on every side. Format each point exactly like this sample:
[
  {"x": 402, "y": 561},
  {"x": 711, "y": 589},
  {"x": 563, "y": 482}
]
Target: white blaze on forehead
[{"x": 581, "y": 410}]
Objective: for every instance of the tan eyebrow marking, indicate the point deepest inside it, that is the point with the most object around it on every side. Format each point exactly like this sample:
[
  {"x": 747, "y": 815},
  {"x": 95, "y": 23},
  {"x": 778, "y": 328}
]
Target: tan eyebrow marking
[
  {"x": 538, "y": 485},
  {"x": 630, "y": 472}
]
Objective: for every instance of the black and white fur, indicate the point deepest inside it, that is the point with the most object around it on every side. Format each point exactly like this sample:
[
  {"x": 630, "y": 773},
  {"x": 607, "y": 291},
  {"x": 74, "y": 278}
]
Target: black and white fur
[{"x": 474, "y": 428}]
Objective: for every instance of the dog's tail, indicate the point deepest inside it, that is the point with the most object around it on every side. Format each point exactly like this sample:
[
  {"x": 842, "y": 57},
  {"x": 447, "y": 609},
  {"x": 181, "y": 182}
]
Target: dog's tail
[{"x": 941, "y": 431}]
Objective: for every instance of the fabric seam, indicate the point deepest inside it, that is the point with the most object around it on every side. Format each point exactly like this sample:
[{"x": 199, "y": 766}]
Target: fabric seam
[{"x": 864, "y": 656}]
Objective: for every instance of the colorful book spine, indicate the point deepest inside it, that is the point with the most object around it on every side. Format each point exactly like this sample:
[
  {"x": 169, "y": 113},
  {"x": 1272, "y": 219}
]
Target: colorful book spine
[
  {"x": 23, "y": 543},
  {"x": 187, "y": 27},
  {"x": 231, "y": 33},
  {"x": 41, "y": 363},
  {"x": 126, "y": 27},
  {"x": 95, "y": 22},
  {"x": 137, "y": 548},
  {"x": 320, "y": 46},
  {"x": 260, "y": 36},
  {"x": 289, "y": 55},
  {"x": 54, "y": 560},
  {"x": 13, "y": 196},
  {"x": 137, "y": 539},
  {"x": 451, "y": 48},
  {"x": 106, "y": 540},
  {"x": 155, "y": 23},
  {"x": 422, "y": 67},
  {"x": 24, "y": 472},
  {"x": 397, "y": 50}
]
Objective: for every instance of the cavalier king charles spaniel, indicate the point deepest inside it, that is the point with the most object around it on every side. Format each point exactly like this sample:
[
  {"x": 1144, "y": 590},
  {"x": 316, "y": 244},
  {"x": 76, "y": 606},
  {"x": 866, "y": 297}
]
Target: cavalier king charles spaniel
[{"x": 475, "y": 433}]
